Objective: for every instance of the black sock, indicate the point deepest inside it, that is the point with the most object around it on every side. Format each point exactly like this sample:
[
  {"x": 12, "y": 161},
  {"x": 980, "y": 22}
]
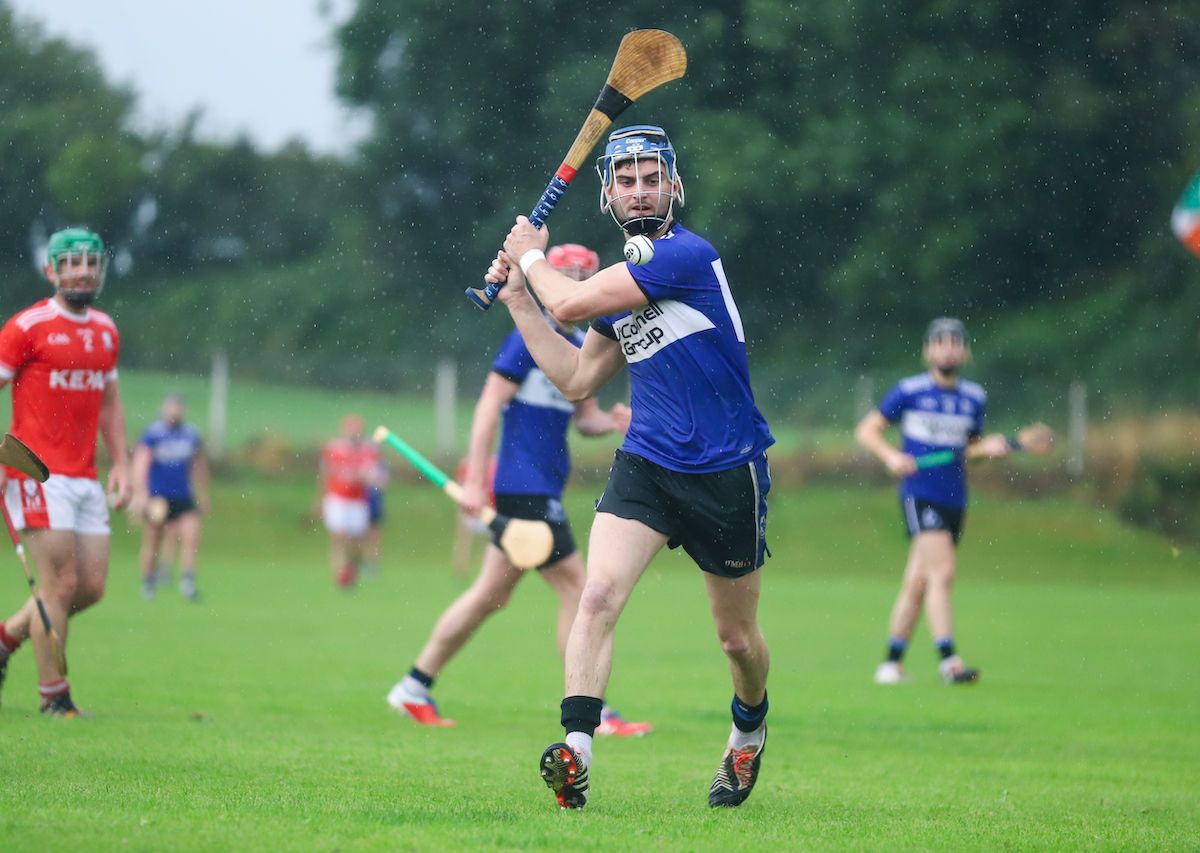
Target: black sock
[
  {"x": 748, "y": 718},
  {"x": 427, "y": 680},
  {"x": 896, "y": 649},
  {"x": 945, "y": 648},
  {"x": 581, "y": 714}
]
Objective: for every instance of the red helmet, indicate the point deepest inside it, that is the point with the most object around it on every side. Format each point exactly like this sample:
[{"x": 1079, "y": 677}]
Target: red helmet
[{"x": 569, "y": 255}]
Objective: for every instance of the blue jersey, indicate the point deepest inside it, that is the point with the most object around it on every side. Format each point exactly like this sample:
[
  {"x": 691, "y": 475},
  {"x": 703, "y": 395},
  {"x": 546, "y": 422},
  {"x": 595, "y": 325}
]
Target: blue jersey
[
  {"x": 172, "y": 449},
  {"x": 932, "y": 418},
  {"x": 693, "y": 410},
  {"x": 533, "y": 458}
]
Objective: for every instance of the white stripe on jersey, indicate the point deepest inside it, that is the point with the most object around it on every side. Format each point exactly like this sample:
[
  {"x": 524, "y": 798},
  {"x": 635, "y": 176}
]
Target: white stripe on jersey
[
  {"x": 539, "y": 391},
  {"x": 727, "y": 295},
  {"x": 937, "y": 428},
  {"x": 29, "y": 318},
  {"x": 647, "y": 330}
]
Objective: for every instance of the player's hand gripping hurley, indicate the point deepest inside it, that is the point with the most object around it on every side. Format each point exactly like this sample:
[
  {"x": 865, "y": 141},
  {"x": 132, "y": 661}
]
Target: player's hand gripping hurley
[
  {"x": 1035, "y": 438},
  {"x": 527, "y": 543},
  {"x": 645, "y": 60},
  {"x": 15, "y": 454}
]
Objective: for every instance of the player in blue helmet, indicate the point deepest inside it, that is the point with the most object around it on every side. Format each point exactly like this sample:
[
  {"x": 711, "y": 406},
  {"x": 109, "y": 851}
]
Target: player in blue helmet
[
  {"x": 649, "y": 210},
  {"x": 937, "y": 410},
  {"x": 692, "y": 470}
]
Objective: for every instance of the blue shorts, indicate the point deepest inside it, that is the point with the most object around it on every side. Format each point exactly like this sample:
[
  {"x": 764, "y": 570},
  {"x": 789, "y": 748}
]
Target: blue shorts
[{"x": 374, "y": 506}]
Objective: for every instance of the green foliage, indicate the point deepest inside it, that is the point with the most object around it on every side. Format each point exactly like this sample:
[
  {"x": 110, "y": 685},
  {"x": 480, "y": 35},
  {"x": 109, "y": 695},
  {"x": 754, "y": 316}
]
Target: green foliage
[
  {"x": 63, "y": 138},
  {"x": 860, "y": 167}
]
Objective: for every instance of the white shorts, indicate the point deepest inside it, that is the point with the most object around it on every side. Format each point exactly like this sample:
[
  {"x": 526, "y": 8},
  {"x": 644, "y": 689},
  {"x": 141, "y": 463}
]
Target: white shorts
[
  {"x": 345, "y": 516},
  {"x": 60, "y": 503}
]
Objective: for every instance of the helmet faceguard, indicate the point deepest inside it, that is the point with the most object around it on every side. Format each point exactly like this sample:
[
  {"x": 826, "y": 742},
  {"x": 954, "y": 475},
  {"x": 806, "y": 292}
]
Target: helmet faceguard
[
  {"x": 573, "y": 260},
  {"x": 639, "y": 197},
  {"x": 76, "y": 264}
]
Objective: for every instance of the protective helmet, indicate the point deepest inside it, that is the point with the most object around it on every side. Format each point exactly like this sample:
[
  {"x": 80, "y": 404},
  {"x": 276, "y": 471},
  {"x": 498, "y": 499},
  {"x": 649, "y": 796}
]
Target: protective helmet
[
  {"x": 946, "y": 326},
  {"x": 572, "y": 255},
  {"x": 77, "y": 246},
  {"x": 639, "y": 142}
]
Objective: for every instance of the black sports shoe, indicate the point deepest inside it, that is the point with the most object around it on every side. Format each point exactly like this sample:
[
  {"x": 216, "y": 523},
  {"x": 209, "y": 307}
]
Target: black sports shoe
[
  {"x": 565, "y": 773},
  {"x": 737, "y": 774},
  {"x": 61, "y": 705},
  {"x": 953, "y": 671}
]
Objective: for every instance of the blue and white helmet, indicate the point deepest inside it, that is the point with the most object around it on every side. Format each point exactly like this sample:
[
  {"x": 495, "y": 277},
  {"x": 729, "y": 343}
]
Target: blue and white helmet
[{"x": 640, "y": 142}]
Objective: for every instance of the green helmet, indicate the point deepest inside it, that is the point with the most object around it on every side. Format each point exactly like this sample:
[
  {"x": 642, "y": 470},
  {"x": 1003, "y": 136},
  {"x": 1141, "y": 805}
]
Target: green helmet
[{"x": 70, "y": 243}]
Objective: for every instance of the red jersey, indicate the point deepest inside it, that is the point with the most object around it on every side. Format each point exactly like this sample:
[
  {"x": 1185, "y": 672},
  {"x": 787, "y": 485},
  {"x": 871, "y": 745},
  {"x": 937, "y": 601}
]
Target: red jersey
[
  {"x": 347, "y": 467},
  {"x": 59, "y": 364}
]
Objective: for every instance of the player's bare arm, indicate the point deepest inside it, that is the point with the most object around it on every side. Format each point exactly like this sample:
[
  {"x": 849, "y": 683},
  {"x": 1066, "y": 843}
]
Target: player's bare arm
[
  {"x": 607, "y": 292},
  {"x": 994, "y": 446},
  {"x": 200, "y": 478},
  {"x": 870, "y": 435},
  {"x": 496, "y": 394},
  {"x": 140, "y": 478},
  {"x": 112, "y": 430},
  {"x": 591, "y": 420},
  {"x": 577, "y": 373}
]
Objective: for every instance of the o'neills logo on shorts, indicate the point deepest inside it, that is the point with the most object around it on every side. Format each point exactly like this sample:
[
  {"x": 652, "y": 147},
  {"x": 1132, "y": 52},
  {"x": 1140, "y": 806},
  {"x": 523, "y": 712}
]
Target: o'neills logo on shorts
[
  {"x": 645, "y": 332},
  {"x": 77, "y": 380}
]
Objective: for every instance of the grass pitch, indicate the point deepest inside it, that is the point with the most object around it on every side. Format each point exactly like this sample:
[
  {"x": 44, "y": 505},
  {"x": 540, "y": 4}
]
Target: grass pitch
[{"x": 256, "y": 719}]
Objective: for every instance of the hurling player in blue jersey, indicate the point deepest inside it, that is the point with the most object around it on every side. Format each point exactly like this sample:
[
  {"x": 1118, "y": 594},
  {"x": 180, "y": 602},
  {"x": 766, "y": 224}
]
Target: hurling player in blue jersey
[
  {"x": 937, "y": 410},
  {"x": 170, "y": 476},
  {"x": 531, "y": 470},
  {"x": 692, "y": 471}
]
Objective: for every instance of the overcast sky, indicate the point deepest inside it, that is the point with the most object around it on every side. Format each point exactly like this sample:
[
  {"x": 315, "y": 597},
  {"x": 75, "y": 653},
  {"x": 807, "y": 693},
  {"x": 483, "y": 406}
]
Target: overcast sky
[{"x": 265, "y": 67}]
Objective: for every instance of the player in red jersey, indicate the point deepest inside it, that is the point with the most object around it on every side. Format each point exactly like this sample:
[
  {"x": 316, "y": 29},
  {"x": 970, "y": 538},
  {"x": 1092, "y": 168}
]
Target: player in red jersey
[
  {"x": 61, "y": 357},
  {"x": 349, "y": 464}
]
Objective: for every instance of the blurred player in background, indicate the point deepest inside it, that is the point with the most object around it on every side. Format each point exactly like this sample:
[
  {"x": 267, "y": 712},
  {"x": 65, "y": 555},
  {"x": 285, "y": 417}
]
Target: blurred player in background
[
  {"x": 170, "y": 491},
  {"x": 373, "y": 542},
  {"x": 349, "y": 465},
  {"x": 936, "y": 410},
  {"x": 692, "y": 470},
  {"x": 530, "y": 474},
  {"x": 61, "y": 357}
]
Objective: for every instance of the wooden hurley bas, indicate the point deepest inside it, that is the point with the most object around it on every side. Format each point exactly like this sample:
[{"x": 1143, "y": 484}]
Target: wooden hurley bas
[
  {"x": 645, "y": 60},
  {"x": 527, "y": 543}
]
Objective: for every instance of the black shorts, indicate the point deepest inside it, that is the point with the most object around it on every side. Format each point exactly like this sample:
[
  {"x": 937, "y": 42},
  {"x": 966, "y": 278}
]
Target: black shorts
[
  {"x": 179, "y": 506},
  {"x": 921, "y": 515},
  {"x": 720, "y": 519},
  {"x": 540, "y": 508}
]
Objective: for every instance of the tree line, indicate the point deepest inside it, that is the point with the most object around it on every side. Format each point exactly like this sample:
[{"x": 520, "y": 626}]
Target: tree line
[{"x": 861, "y": 167}]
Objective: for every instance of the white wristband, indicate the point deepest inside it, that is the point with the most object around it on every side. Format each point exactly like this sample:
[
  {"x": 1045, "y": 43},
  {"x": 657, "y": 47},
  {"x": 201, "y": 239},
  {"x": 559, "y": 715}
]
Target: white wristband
[{"x": 530, "y": 258}]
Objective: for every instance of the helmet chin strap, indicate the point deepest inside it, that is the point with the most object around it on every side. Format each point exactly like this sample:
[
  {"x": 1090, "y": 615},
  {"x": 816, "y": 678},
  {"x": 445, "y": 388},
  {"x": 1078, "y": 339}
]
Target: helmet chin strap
[{"x": 643, "y": 225}]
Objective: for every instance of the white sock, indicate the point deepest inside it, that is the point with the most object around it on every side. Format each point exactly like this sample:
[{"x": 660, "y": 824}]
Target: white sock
[
  {"x": 582, "y": 744},
  {"x": 415, "y": 687},
  {"x": 739, "y": 739}
]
